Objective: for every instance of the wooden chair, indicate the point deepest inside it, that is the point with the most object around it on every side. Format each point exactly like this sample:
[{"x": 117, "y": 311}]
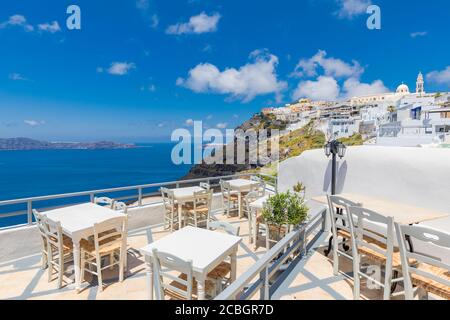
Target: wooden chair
[
  {"x": 339, "y": 228},
  {"x": 59, "y": 249},
  {"x": 104, "y": 201},
  {"x": 199, "y": 213},
  {"x": 378, "y": 248},
  {"x": 429, "y": 274},
  {"x": 247, "y": 210},
  {"x": 39, "y": 218},
  {"x": 103, "y": 245},
  {"x": 120, "y": 206},
  {"x": 170, "y": 209},
  {"x": 181, "y": 287},
  {"x": 221, "y": 275},
  {"x": 230, "y": 199},
  {"x": 205, "y": 185}
]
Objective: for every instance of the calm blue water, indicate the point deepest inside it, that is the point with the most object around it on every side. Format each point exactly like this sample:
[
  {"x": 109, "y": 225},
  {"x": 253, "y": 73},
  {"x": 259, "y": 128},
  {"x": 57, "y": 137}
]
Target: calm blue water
[{"x": 45, "y": 172}]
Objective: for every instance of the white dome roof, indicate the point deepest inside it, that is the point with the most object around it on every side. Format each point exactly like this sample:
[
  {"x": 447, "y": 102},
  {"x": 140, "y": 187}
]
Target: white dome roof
[{"x": 403, "y": 88}]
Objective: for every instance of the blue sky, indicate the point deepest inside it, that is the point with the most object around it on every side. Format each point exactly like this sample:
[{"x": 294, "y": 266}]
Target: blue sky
[{"x": 139, "y": 69}]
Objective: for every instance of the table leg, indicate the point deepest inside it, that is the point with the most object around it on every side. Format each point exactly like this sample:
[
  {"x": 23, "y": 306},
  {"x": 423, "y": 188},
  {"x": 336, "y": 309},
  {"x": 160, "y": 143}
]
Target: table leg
[
  {"x": 233, "y": 257},
  {"x": 149, "y": 271},
  {"x": 180, "y": 205},
  {"x": 254, "y": 213},
  {"x": 201, "y": 287},
  {"x": 76, "y": 264},
  {"x": 239, "y": 204}
]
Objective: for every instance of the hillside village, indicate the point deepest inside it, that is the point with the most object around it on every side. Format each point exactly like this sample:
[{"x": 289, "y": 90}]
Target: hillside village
[{"x": 399, "y": 118}]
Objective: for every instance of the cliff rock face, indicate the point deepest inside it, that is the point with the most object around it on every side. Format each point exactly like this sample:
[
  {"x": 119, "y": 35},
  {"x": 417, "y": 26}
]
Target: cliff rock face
[
  {"x": 256, "y": 122},
  {"x": 30, "y": 144}
]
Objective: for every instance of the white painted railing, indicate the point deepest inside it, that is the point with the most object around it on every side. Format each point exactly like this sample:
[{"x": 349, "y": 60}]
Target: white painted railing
[
  {"x": 137, "y": 197},
  {"x": 286, "y": 252}
]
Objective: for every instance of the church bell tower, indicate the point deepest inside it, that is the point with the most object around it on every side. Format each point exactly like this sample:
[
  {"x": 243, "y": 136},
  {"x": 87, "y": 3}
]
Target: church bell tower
[{"x": 420, "y": 84}]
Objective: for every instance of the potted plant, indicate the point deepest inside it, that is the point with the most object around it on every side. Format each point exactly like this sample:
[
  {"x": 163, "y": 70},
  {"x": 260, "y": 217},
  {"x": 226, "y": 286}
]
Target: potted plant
[
  {"x": 300, "y": 189},
  {"x": 282, "y": 211}
]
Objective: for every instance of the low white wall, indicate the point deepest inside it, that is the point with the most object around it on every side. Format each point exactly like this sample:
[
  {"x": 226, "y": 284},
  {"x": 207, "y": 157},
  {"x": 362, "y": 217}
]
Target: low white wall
[{"x": 417, "y": 176}]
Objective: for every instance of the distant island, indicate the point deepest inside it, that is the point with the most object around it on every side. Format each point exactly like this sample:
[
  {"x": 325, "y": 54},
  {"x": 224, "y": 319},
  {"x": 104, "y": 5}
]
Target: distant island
[{"x": 31, "y": 144}]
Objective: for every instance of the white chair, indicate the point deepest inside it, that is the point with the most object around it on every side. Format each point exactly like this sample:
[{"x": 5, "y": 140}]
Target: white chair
[
  {"x": 104, "y": 201},
  {"x": 200, "y": 212},
  {"x": 374, "y": 246},
  {"x": 120, "y": 206},
  {"x": 230, "y": 199},
  {"x": 429, "y": 274},
  {"x": 104, "y": 245},
  {"x": 41, "y": 227},
  {"x": 170, "y": 208},
  {"x": 59, "y": 249},
  {"x": 181, "y": 287},
  {"x": 248, "y": 211},
  {"x": 221, "y": 275},
  {"x": 205, "y": 185},
  {"x": 339, "y": 228}
]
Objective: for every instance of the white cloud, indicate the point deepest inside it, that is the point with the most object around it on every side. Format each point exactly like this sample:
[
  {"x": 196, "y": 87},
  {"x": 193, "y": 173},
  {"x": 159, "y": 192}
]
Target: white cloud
[
  {"x": 151, "y": 88},
  {"x": 349, "y": 9},
  {"x": 17, "y": 20},
  {"x": 154, "y": 21},
  {"x": 17, "y": 77},
  {"x": 209, "y": 117},
  {"x": 34, "y": 123},
  {"x": 324, "y": 88},
  {"x": 161, "y": 125},
  {"x": 201, "y": 23},
  {"x": 332, "y": 67},
  {"x": 120, "y": 68},
  {"x": 221, "y": 125},
  {"x": 49, "y": 27},
  {"x": 142, "y": 4},
  {"x": 189, "y": 122},
  {"x": 255, "y": 78},
  {"x": 418, "y": 34},
  {"x": 440, "y": 77},
  {"x": 354, "y": 88}
]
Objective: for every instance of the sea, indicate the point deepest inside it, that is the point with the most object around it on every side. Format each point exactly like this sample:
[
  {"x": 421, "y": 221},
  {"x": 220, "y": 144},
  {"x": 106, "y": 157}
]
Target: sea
[{"x": 31, "y": 173}]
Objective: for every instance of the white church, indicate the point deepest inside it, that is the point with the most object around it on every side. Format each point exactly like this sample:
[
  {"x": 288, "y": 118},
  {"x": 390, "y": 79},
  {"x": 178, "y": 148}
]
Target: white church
[{"x": 392, "y": 97}]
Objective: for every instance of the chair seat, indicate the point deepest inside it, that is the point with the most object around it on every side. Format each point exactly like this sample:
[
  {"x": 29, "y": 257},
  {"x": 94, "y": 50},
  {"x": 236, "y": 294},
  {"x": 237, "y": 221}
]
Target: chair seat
[
  {"x": 209, "y": 288},
  {"x": 67, "y": 243},
  {"x": 89, "y": 246},
  {"x": 221, "y": 271},
  {"x": 430, "y": 285},
  {"x": 197, "y": 210}
]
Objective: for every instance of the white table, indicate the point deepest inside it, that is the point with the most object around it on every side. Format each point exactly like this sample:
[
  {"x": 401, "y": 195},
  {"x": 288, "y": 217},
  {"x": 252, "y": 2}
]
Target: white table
[
  {"x": 241, "y": 185},
  {"x": 182, "y": 196},
  {"x": 207, "y": 249},
  {"x": 77, "y": 222}
]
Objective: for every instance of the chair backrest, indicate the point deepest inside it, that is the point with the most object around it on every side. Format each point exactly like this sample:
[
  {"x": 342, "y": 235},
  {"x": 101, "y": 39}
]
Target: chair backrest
[
  {"x": 361, "y": 222},
  {"x": 116, "y": 228},
  {"x": 39, "y": 218},
  {"x": 202, "y": 199},
  {"x": 181, "y": 287},
  {"x": 249, "y": 198},
  {"x": 104, "y": 201},
  {"x": 224, "y": 226},
  {"x": 410, "y": 260},
  {"x": 225, "y": 188},
  {"x": 53, "y": 232},
  {"x": 168, "y": 200},
  {"x": 260, "y": 188},
  {"x": 205, "y": 185},
  {"x": 120, "y": 206},
  {"x": 336, "y": 208}
]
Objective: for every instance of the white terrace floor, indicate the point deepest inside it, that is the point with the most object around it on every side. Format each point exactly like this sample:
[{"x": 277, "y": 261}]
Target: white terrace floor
[{"x": 312, "y": 278}]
